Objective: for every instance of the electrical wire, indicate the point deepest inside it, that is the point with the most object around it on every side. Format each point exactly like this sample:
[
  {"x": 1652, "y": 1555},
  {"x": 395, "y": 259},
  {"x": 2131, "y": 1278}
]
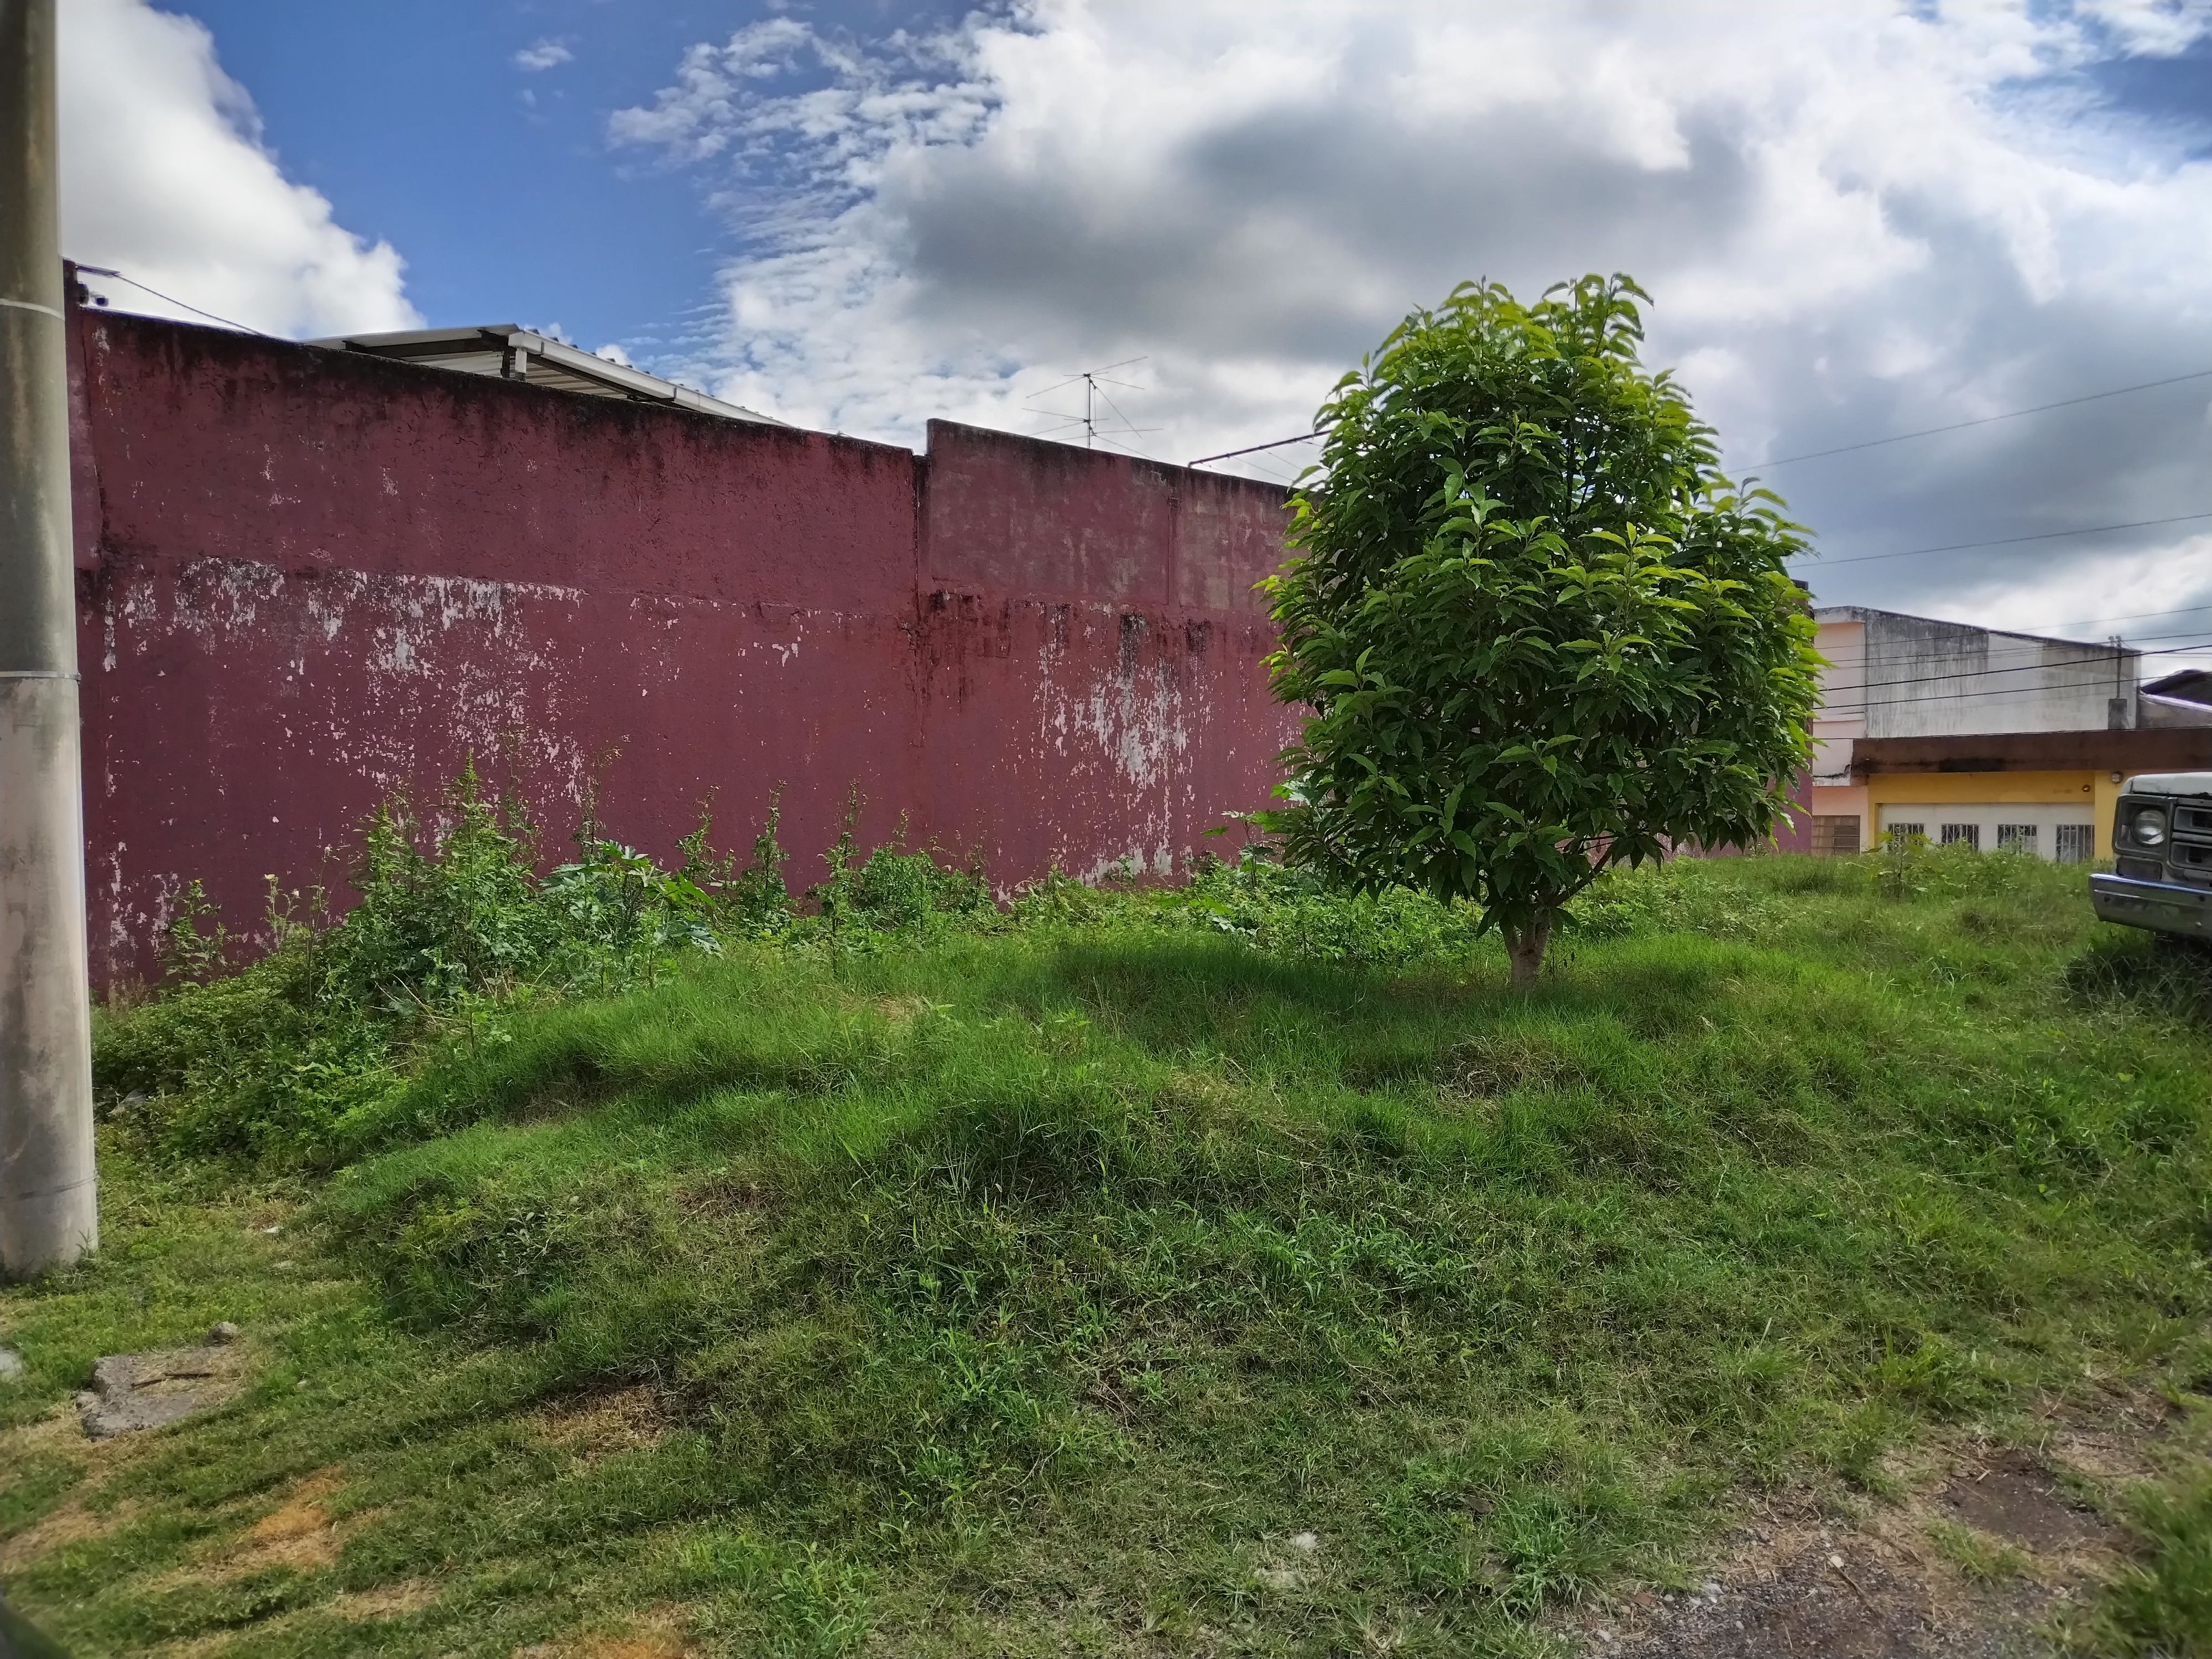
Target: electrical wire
[
  {"x": 2007, "y": 541},
  {"x": 102, "y": 271},
  {"x": 1982, "y": 420},
  {"x": 2142, "y": 639},
  {"x": 1832, "y": 711},
  {"x": 2090, "y": 622},
  {"x": 2203, "y": 644},
  {"x": 1876, "y": 443}
]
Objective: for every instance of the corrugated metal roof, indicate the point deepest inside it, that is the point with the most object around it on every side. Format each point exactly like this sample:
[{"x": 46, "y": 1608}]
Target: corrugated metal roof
[{"x": 508, "y": 351}]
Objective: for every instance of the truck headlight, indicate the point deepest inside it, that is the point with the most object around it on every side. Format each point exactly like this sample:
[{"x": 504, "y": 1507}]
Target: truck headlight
[{"x": 2148, "y": 828}]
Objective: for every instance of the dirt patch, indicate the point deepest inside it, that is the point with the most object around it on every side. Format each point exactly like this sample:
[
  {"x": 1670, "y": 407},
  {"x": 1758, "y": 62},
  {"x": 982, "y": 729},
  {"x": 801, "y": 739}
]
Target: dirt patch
[
  {"x": 2107, "y": 1447},
  {"x": 58, "y": 1430},
  {"x": 652, "y": 1644},
  {"x": 301, "y": 1533},
  {"x": 657, "y": 1635},
  {"x": 733, "y": 1201},
  {"x": 272, "y": 1217},
  {"x": 385, "y": 1601},
  {"x": 1799, "y": 1589},
  {"x": 73, "y": 1522},
  {"x": 1898, "y": 1580},
  {"x": 60, "y": 1433},
  {"x": 604, "y": 1425},
  {"x": 1198, "y": 1091},
  {"x": 2013, "y": 1498},
  {"x": 216, "y": 1641}
]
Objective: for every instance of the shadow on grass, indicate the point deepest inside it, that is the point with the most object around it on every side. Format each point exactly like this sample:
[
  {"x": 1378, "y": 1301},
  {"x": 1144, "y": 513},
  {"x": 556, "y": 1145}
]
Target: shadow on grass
[
  {"x": 1174, "y": 996},
  {"x": 2155, "y": 972}
]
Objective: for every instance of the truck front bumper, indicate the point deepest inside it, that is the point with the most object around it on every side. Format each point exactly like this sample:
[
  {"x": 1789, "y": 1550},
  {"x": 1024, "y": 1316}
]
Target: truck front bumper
[{"x": 2165, "y": 906}]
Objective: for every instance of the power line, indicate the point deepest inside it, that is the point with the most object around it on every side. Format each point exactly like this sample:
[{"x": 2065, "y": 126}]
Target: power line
[
  {"x": 2186, "y": 634},
  {"x": 2204, "y": 644},
  {"x": 1833, "y": 711},
  {"x": 1867, "y": 443},
  {"x": 2089, "y": 622},
  {"x": 102, "y": 270},
  {"x": 1984, "y": 420},
  {"x": 2008, "y": 541},
  {"x": 1830, "y": 711}
]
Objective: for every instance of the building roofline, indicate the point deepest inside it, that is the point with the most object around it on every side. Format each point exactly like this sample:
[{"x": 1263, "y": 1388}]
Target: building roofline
[
  {"x": 1861, "y": 612},
  {"x": 2186, "y": 688},
  {"x": 427, "y": 345}
]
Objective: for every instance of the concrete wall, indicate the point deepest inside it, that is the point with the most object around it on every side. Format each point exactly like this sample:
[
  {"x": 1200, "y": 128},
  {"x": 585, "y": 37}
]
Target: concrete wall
[
  {"x": 1094, "y": 645},
  {"x": 307, "y": 578},
  {"x": 1842, "y": 718},
  {"x": 1897, "y": 676}
]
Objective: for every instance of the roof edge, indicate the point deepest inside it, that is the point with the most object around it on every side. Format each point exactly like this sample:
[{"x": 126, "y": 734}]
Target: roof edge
[{"x": 425, "y": 346}]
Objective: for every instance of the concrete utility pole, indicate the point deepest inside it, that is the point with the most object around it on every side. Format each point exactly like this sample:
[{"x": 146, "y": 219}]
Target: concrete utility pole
[{"x": 49, "y": 1213}]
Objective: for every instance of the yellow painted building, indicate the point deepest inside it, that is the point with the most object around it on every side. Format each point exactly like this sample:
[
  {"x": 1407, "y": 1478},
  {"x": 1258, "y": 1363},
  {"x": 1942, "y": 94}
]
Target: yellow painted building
[
  {"x": 1964, "y": 734},
  {"x": 2047, "y": 802}
]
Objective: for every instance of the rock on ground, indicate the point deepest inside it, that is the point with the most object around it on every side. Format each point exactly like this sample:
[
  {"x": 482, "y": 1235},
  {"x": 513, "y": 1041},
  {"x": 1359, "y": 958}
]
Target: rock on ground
[{"x": 131, "y": 1391}]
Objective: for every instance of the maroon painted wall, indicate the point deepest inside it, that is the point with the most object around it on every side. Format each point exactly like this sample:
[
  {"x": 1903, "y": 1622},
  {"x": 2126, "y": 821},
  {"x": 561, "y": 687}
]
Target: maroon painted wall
[
  {"x": 308, "y": 578},
  {"x": 1095, "y": 642}
]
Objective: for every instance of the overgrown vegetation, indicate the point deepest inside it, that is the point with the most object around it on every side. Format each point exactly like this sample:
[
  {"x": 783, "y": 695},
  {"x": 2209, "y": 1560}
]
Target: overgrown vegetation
[{"x": 1232, "y": 1268}]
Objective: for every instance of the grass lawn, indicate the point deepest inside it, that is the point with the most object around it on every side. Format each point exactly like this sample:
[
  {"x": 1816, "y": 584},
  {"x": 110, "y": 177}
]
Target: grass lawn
[{"x": 1232, "y": 1270}]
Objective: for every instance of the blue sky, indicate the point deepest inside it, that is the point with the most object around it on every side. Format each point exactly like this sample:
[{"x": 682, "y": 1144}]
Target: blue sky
[
  {"x": 1855, "y": 219},
  {"x": 496, "y": 183}
]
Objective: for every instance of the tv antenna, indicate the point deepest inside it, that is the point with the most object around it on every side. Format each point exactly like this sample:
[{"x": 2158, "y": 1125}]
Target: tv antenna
[{"x": 1094, "y": 382}]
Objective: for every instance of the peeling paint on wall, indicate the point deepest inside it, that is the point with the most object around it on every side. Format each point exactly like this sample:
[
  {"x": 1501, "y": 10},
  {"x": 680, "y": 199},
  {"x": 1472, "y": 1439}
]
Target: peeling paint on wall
[{"x": 315, "y": 578}]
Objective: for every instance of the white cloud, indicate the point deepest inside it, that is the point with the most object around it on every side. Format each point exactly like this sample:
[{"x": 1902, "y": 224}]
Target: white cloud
[
  {"x": 2160, "y": 597},
  {"x": 1855, "y": 219},
  {"x": 2161, "y": 27},
  {"x": 545, "y": 55},
  {"x": 164, "y": 178}
]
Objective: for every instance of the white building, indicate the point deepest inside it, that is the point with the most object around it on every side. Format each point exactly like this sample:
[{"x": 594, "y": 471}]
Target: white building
[{"x": 1969, "y": 734}]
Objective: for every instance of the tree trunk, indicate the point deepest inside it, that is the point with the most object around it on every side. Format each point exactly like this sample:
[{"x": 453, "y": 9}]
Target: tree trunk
[{"x": 1525, "y": 945}]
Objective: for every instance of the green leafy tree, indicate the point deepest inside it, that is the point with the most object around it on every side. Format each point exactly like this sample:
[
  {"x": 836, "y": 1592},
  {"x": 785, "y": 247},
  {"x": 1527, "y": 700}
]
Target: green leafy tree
[{"x": 1538, "y": 632}]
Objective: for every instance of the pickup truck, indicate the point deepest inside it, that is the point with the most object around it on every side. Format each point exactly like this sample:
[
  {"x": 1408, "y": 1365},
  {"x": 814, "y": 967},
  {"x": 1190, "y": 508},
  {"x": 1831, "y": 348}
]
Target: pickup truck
[{"x": 2161, "y": 856}]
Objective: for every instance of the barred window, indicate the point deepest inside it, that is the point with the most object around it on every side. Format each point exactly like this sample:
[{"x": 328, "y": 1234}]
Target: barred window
[
  {"x": 2075, "y": 843},
  {"x": 1899, "y": 833},
  {"x": 2018, "y": 838},
  {"x": 1835, "y": 835},
  {"x": 1966, "y": 834}
]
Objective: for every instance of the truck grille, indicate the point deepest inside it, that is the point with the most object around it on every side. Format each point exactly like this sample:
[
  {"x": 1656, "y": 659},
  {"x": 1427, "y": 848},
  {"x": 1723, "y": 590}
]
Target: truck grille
[{"x": 2190, "y": 863}]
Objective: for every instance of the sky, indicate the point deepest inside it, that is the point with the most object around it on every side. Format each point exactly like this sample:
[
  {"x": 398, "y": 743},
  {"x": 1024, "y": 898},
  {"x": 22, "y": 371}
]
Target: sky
[{"x": 1855, "y": 220}]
